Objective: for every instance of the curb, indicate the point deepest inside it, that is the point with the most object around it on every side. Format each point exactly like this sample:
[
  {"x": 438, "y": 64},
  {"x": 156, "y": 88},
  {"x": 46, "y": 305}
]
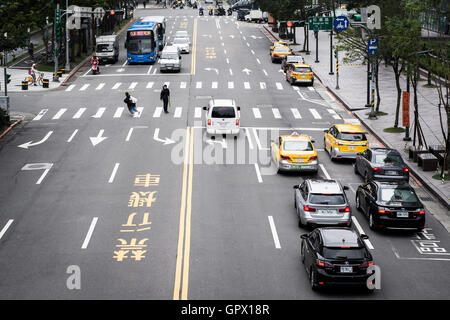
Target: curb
[{"x": 10, "y": 127}]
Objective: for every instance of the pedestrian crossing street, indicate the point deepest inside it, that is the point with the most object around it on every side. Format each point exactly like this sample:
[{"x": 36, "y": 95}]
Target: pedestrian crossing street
[
  {"x": 257, "y": 113},
  {"x": 246, "y": 85}
]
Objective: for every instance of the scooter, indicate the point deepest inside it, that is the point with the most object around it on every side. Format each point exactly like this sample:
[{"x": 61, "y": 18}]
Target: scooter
[
  {"x": 210, "y": 11},
  {"x": 229, "y": 11},
  {"x": 95, "y": 68},
  {"x": 200, "y": 12}
]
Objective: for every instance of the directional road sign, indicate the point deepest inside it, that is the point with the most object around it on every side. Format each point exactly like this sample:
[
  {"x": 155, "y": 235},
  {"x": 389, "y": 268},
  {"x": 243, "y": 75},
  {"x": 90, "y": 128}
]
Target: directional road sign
[
  {"x": 341, "y": 23},
  {"x": 372, "y": 47}
]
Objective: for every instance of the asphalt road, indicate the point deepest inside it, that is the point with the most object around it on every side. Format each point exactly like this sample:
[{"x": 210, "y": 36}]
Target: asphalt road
[{"x": 151, "y": 208}]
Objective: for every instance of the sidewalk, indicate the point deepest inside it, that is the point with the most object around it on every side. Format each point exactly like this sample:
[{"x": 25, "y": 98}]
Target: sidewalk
[
  {"x": 18, "y": 75},
  {"x": 352, "y": 93}
]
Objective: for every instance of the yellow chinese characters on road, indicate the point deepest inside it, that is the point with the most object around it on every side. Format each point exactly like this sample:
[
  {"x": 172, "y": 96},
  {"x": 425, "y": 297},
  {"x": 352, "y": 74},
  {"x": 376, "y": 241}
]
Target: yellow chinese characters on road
[
  {"x": 345, "y": 141},
  {"x": 294, "y": 152}
]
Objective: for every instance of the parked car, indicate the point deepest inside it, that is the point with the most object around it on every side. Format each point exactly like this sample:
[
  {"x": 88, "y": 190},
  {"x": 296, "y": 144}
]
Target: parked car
[
  {"x": 222, "y": 117},
  {"x": 322, "y": 202},
  {"x": 291, "y": 59},
  {"x": 294, "y": 152},
  {"x": 335, "y": 257},
  {"x": 345, "y": 141},
  {"x": 241, "y": 13},
  {"x": 381, "y": 164},
  {"x": 300, "y": 73},
  {"x": 390, "y": 205},
  {"x": 279, "y": 52}
]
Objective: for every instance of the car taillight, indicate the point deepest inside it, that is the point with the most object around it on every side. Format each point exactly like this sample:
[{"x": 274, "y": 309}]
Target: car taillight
[
  {"x": 284, "y": 157},
  {"x": 237, "y": 122},
  {"x": 308, "y": 208},
  {"x": 209, "y": 122},
  {"x": 377, "y": 169},
  {"x": 367, "y": 264},
  {"x": 346, "y": 209},
  {"x": 312, "y": 158},
  {"x": 383, "y": 211},
  {"x": 420, "y": 212},
  {"x": 405, "y": 170},
  {"x": 322, "y": 263}
]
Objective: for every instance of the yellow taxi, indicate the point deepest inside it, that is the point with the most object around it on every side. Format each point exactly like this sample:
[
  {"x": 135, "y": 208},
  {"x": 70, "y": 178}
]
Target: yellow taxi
[
  {"x": 279, "y": 52},
  {"x": 299, "y": 73},
  {"x": 345, "y": 141},
  {"x": 277, "y": 44},
  {"x": 294, "y": 152}
]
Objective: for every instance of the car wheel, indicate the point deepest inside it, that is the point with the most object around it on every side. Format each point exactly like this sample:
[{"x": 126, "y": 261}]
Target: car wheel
[
  {"x": 371, "y": 222},
  {"x": 312, "y": 279},
  {"x": 355, "y": 169},
  {"x": 302, "y": 254},
  {"x": 358, "y": 203},
  {"x": 292, "y": 81},
  {"x": 331, "y": 155},
  {"x": 295, "y": 201}
]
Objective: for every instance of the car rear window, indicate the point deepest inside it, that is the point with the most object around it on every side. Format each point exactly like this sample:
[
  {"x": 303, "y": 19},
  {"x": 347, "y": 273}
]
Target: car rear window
[
  {"x": 320, "y": 198},
  {"x": 223, "y": 112},
  {"x": 297, "y": 146},
  {"x": 349, "y": 136},
  {"x": 281, "y": 49},
  {"x": 294, "y": 59},
  {"x": 303, "y": 69},
  {"x": 398, "y": 195},
  {"x": 388, "y": 159},
  {"x": 169, "y": 56},
  {"x": 344, "y": 254},
  {"x": 180, "y": 40},
  {"x": 105, "y": 47}
]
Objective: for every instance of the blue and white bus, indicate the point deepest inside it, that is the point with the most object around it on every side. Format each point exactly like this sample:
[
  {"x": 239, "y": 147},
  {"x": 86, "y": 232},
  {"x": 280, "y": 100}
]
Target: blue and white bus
[
  {"x": 141, "y": 43},
  {"x": 161, "y": 29}
]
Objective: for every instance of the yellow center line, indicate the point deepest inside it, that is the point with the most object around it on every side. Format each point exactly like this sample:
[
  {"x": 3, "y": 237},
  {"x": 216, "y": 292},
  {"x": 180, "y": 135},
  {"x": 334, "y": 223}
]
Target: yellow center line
[
  {"x": 194, "y": 47},
  {"x": 176, "y": 289}
]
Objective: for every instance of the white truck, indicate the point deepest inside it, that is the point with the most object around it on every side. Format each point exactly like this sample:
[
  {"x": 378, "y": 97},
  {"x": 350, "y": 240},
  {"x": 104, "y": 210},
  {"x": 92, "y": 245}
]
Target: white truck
[
  {"x": 107, "y": 48},
  {"x": 255, "y": 15}
]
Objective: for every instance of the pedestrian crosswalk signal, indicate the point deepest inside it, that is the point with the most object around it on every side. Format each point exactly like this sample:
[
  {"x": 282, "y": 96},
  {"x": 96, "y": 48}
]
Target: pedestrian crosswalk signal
[{"x": 8, "y": 78}]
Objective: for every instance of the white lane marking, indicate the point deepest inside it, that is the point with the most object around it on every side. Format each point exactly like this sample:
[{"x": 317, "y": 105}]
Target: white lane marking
[
  {"x": 247, "y": 134},
  {"x": 248, "y": 44},
  {"x": 150, "y": 85},
  {"x": 44, "y": 174},
  {"x": 361, "y": 231},
  {"x": 99, "y": 113},
  {"x": 258, "y": 173},
  {"x": 133, "y": 85},
  {"x": 183, "y": 85},
  {"x": 198, "y": 112},
  {"x": 177, "y": 113},
  {"x": 230, "y": 85},
  {"x": 123, "y": 65},
  {"x": 149, "y": 69},
  {"x": 274, "y": 233},
  {"x": 100, "y": 86},
  {"x": 257, "y": 60},
  {"x": 256, "y": 113},
  {"x": 129, "y": 135},
  {"x": 225, "y": 51},
  {"x": 157, "y": 112},
  {"x": 84, "y": 87},
  {"x": 279, "y": 86},
  {"x": 10, "y": 221},
  {"x": 73, "y": 135},
  {"x": 154, "y": 71},
  {"x": 243, "y": 37},
  {"x": 247, "y": 85},
  {"x": 231, "y": 72},
  {"x": 116, "y": 86},
  {"x": 40, "y": 114},
  {"x": 265, "y": 72},
  {"x": 198, "y": 85},
  {"x": 167, "y": 83},
  {"x": 223, "y": 44},
  {"x": 276, "y": 113},
  {"x": 262, "y": 85},
  {"x": 296, "y": 113},
  {"x": 113, "y": 173},
  {"x": 228, "y": 61},
  {"x": 79, "y": 113},
  {"x": 69, "y": 88},
  {"x": 325, "y": 172},
  {"x": 253, "y": 52},
  {"x": 214, "y": 85},
  {"x": 315, "y": 114},
  {"x": 258, "y": 142},
  {"x": 335, "y": 115},
  {"x": 59, "y": 113},
  {"x": 295, "y": 88},
  {"x": 118, "y": 112},
  {"x": 89, "y": 234}
]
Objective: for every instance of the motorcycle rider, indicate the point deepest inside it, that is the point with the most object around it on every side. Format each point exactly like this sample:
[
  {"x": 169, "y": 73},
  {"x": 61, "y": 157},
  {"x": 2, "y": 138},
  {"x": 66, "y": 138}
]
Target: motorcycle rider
[
  {"x": 210, "y": 11},
  {"x": 95, "y": 62},
  {"x": 200, "y": 11}
]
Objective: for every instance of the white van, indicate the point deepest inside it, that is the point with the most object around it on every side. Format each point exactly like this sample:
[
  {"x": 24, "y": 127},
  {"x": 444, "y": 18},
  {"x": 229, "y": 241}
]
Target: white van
[
  {"x": 222, "y": 117},
  {"x": 170, "y": 59}
]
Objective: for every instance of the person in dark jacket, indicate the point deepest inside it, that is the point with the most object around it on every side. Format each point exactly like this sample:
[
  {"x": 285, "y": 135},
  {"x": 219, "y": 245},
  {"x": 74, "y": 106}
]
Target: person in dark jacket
[
  {"x": 165, "y": 97},
  {"x": 131, "y": 103}
]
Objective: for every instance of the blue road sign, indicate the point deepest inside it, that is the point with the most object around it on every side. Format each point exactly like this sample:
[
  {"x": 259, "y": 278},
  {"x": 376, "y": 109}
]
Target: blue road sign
[
  {"x": 372, "y": 47},
  {"x": 341, "y": 23}
]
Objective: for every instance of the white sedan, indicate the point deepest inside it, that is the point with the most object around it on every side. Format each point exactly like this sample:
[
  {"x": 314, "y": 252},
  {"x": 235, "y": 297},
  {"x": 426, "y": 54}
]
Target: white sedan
[{"x": 182, "y": 44}]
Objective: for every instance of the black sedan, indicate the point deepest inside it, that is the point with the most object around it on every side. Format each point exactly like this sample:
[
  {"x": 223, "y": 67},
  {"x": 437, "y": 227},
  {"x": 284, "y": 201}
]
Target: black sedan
[
  {"x": 335, "y": 256},
  {"x": 381, "y": 164},
  {"x": 390, "y": 205}
]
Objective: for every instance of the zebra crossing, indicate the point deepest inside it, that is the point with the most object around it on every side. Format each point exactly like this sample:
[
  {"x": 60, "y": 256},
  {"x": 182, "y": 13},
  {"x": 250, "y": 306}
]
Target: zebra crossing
[
  {"x": 180, "y": 85},
  {"x": 257, "y": 113}
]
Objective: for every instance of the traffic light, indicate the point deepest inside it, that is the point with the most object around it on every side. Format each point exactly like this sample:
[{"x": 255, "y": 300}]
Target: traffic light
[
  {"x": 114, "y": 12},
  {"x": 299, "y": 23},
  {"x": 335, "y": 54},
  {"x": 8, "y": 78},
  {"x": 58, "y": 24}
]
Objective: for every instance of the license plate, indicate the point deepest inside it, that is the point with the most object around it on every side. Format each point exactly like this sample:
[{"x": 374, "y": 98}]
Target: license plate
[
  {"x": 402, "y": 214},
  {"x": 300, "y": 160},
  {"x": 326, "y": 212},
  {"x": 391, "y": 173},
  {"x": 346, "y": 269},
  {"x": 352, "y": 148}
]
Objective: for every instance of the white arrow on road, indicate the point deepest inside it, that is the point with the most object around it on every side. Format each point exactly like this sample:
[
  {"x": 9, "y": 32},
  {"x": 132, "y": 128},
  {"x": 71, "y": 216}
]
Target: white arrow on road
[
  {"x": 247, "y": 71},
  {"x": 212, "y": 69},
  {"x": 31, "y": 144},
  {"x": 166, "y": 141},
  {"x": 207, "y": 35},
  {"x": 99, "y": 138},
  {"x": 223, "y": 143}
]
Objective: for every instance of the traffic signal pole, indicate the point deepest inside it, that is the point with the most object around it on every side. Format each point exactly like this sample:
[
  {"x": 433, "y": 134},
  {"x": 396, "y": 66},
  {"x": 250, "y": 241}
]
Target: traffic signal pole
[
  {"x": 56, "y": 54},
  {"x": 331, "y": 52},
  {"x": 6, "y": 81}
]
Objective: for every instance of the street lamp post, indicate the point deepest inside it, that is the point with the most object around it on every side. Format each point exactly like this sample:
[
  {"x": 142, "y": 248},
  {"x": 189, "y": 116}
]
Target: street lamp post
[{"x": 67, "y": 37}]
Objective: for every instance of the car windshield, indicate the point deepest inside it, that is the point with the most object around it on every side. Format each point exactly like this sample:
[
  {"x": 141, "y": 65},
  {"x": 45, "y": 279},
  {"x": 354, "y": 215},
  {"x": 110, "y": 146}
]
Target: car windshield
[
  {"x": 320, "y": 198},
  {"x": 343, "y": 254},
  {"x": 105, "y": 47},
  {"x": 303, "y": 69},
  {"x": 297, "y": 146},
  {"x": 388, "y": 158},
  {"x": 352, "y": 136},
  {"x": 281, "y": 49},
  {"x": 399, "y": 194},
  {"x": 223, "y": 112},
  {"x": 169, "y": 56},
  {"x": 180, "y": 40},
  {"x": 181, "y": 34},
  {"x": 139, "y": 46}
]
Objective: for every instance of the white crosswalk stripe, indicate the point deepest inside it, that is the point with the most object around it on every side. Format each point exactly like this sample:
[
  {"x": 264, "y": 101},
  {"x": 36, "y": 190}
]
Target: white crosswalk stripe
[
  {"x": 276, "y": 113},
  {"x": 84, "y": 87},
  {"x": 116, "y": 86},
  {"x": 167, "y": 83},
  {"x": 69, "y": 88},
  {"x": 214, "y": 85},
  {"x": 59, "y": 113},
  {"x": 311, "y": 88},
  {"x": 133, "y": 85},
  {"x": 118, "y": 112},
  {"x": 40, "y": 115},
  {"x": 315, "y": 114},
  {"x": 198, "y": 85},
  {"x": 334, "y": 114},
  {"x": 100, "y": 86},
  {"x": 182, "y": 85},
  {"x": 99, "y": 113},
  {"x": 157, "y": 112},
  {"x": 139, "y": 109},
  {"x": 256, "y": 113},
  {"x": 230, "y": 85},
  {"x": 279, "y": 86},
  {"x": 178, "y": 111},
  {"x": 247, "y": 85},
  {"x": 296, "y": 113},
  {"x": 79, "y": 113},
  {"x": 198, "y": 113},
  {"x": 262, "y": 85},
  {"x": 150, "y": 85}
]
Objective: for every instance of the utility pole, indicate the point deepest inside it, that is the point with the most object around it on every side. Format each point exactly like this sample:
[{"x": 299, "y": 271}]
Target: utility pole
[
  {"x": 331, "y": 52},
  {"x": 67, "y": 37}
]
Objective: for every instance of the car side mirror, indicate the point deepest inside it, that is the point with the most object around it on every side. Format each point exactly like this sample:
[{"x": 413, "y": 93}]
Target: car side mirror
[
  {"x": 304, "y": 236},
  {"x": 239, "y": 108},
  {"x": 346, "y": 188},
  {"x": 326, "y": 131},
  {"x": 296, "y": 186},
  {"x": 205, "y": 108},
  {"x": 364, "y": 236}
]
